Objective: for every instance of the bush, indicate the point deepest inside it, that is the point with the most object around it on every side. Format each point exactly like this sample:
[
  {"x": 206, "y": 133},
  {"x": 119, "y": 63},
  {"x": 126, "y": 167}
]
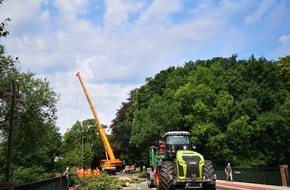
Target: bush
[
  {"x": 23, "y": 175},
  {"x": 102, "y": 182},
  {"x": 142, "y": 174}
]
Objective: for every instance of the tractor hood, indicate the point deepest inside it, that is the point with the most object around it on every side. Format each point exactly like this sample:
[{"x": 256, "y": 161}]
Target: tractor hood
[{"x": 189, "y": 165}]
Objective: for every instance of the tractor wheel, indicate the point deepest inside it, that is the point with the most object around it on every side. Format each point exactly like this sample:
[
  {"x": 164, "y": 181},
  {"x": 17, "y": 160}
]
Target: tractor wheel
[
  {"x": 209, "y": 174},
  {"x": 167, "y": 175}
]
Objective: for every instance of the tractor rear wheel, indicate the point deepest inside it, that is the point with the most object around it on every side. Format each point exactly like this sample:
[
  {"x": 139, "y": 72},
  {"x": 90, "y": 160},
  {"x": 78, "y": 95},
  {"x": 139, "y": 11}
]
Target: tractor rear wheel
[
  {"x": 209, "y": 174},
  {"x": 167, "y": 175}
]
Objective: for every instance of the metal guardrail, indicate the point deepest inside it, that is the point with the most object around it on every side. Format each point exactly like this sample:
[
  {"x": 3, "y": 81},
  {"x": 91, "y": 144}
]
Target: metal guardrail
[
  {"x": 269, "y": 176},
  {"x": 54, "y": 183}
]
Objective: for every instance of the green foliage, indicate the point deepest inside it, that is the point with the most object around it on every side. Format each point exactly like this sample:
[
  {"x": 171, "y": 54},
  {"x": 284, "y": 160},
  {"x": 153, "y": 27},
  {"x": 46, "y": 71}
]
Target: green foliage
[
  {"x": 36, "y": 139},
  {"x": 142, "y": 174},
  {"x": 82, "y": 138},
  {"x": 236, "y": 110},
  {"x": 102, "y": 182},
  {"x": 121, "y": 128},
  {"x": 284, "y": 70},
  {"x": 27, "y": 174}
]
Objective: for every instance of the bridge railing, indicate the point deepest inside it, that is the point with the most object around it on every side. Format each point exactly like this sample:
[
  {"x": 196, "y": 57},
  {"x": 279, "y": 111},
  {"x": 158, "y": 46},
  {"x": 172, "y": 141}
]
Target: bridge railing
[
  {"x": 269, "y": 176},
  {"x": 54, "y": 183}
]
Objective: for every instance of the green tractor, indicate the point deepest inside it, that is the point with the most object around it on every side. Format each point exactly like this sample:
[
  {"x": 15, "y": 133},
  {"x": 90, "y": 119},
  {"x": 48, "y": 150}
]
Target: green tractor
[{"x": 174, "y": 165}]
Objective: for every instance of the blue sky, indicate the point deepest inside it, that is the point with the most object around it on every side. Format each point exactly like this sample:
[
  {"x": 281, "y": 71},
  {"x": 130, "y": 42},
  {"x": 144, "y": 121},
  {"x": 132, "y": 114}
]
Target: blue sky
[{"x": 116, "y": 44}]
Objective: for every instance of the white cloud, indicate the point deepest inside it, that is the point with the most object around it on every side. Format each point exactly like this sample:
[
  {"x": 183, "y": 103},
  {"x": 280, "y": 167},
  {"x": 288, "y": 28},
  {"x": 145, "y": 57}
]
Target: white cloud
[
  {"x": 71, "y": 8},
  {"x": 116, "y": 14},
  {"x": 73, "y": 104},
  {"x": 62, "y": 37},
  {"x": 20, "y": 10},
  {"x": 284, "y": 48},
  {"x": 45, "y": 15},
  {"x": 103, "y": 67},
  {"x": 159, "y": 11},
  {"x": 284, "y": 39},
  {"x": 257, "y": 15},
  {"x": 136, "y": 39}
]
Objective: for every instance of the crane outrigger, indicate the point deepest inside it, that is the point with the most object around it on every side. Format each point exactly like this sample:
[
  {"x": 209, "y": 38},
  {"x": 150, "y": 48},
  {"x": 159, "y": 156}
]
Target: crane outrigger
[{"x": 111, "y": 164}]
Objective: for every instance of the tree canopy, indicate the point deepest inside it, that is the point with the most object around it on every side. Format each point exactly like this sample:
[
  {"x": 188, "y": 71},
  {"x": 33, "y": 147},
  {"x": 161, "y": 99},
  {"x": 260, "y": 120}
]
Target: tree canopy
[
  {"x": 82, "y": 145},
  {"x": 36, "y": 139},
  {"x": 236, "y": 110}
]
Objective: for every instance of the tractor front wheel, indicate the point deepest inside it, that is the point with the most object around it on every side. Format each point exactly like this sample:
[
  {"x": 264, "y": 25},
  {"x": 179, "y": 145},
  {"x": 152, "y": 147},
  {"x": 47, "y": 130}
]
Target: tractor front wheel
[
  {"x": 150, "y": 182},
  {"x": 209, "y": 174},
  {"x": 167, "y": 175}
]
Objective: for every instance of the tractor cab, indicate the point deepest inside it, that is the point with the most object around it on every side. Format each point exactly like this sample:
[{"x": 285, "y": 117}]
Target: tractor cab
[
  {"x": 174, "y": 141},
  {"x": 177, "y": 139}
]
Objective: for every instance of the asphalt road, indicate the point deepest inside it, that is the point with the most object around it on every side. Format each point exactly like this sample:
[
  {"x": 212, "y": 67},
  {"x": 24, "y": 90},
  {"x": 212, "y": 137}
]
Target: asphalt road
[{"x": 142, "y": 186}]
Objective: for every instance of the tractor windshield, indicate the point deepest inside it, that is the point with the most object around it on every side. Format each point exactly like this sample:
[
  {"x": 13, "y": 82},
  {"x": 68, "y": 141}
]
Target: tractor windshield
[{"x": 177, "y": 140}]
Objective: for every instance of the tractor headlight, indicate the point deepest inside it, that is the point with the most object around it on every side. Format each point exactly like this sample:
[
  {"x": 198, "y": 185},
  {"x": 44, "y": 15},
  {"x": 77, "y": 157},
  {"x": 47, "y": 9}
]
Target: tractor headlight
[{"x": 184, "y": 147}]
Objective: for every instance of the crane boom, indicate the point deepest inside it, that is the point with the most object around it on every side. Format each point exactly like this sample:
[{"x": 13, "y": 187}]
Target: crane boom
[{"x": 111, "y": 162}]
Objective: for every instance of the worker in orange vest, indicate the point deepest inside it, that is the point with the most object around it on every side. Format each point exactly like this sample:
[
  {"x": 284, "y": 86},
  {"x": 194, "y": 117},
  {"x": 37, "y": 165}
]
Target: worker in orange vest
[
  {"x": 80, "y": 172},
  {"x": 89, "y": 172},
  {"x": 96, "y": 172}
]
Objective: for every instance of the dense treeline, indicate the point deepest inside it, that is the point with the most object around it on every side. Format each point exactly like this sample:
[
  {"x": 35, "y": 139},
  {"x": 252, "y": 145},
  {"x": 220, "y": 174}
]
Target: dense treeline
[{"x": 236, "y": 110}]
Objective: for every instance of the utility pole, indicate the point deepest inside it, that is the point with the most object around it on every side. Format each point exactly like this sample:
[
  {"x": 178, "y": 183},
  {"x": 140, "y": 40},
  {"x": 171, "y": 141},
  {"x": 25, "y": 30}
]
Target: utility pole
[
  {"x": 82, "y": 144},
  {"x": 83, "y": 152},
  {"x": 13, "y": 95}
]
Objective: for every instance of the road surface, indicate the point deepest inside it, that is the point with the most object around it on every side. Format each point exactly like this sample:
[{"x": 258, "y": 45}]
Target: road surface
[
  {"x": 139, "y": 186},
  {"x": 142, "y": 186}
]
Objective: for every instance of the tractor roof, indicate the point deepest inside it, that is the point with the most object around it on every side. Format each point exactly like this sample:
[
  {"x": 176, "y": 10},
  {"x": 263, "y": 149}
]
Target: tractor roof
[{"x": 176, "y": 133}]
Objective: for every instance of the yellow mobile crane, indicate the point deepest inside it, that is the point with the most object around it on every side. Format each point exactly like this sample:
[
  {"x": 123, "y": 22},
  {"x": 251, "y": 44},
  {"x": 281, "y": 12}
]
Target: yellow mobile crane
[{"x": 110, "y": 164}]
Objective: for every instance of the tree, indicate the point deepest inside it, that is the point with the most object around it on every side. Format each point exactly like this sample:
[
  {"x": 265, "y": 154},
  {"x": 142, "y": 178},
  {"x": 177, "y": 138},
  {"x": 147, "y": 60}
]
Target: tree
[
  {"x": 231, "y": 107},
  {"x": 121, "y": 130},
  {"x": 284, "y": 69},
  {"x": 35, "y": 136},
  {"x": 82, "y": 145}
]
